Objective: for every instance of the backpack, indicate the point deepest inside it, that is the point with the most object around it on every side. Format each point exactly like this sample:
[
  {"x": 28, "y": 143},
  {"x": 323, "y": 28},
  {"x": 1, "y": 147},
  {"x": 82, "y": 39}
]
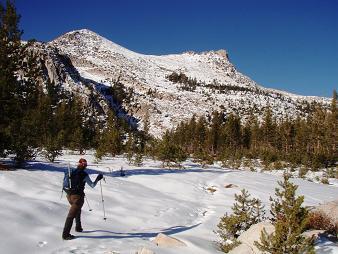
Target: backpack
[{"x": 71, "y": 180}]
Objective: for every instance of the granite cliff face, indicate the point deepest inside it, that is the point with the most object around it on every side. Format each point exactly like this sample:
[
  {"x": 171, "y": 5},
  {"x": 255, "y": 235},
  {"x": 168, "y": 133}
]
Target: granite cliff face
[{"x": 88, "y": 64}]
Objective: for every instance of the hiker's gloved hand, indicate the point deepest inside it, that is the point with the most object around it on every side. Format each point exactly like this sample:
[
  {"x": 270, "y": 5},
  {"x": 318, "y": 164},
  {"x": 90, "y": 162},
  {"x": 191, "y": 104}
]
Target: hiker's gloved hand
[{"x": 99, "y": 177}]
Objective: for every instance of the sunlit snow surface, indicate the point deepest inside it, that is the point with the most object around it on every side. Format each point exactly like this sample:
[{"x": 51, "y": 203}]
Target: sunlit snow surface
[{"x": 147, "y": 201}]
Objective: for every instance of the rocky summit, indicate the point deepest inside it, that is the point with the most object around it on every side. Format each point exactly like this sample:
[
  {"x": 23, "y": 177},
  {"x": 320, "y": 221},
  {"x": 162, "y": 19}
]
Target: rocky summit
[{"x": 164, "y": 89}]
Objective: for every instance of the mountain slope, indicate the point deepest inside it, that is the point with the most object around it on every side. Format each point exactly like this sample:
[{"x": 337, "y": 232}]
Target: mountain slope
[{"x": 219, "y": 86}]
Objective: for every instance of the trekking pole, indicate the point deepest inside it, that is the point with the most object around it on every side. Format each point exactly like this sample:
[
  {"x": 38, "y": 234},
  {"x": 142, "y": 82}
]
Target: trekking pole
[
  {"x": 104, "y": 212},
  {"x": 88, "y": 204}
]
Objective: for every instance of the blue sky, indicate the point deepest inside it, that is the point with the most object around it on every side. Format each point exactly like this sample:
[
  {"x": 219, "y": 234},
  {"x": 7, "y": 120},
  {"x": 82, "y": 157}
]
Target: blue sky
[{"x": 283, "y": 44}]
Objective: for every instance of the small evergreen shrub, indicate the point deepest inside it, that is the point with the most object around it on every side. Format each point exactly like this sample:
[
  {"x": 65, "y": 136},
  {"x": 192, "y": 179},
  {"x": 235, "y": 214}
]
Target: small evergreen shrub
[
  {"x": 290, "y": 220},
  {"x": 247, "y": 163},
  {"x": 324, "y": 180},
  {"x": 302, "y": 172},
  {"x": 246, "y": 212},
  {"x": 332, "y": 172},
  {"x": 204, "y": 158},
  {"x": 277, "y": 165},
  {"x": 169, "y": 152},
  {"x": 52, "y": 149},
  {"x": 252, "y": 169}
]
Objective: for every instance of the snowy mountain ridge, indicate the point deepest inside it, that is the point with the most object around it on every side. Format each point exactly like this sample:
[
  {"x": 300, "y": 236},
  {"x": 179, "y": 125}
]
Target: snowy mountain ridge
[{"x": 99, "y": 62}]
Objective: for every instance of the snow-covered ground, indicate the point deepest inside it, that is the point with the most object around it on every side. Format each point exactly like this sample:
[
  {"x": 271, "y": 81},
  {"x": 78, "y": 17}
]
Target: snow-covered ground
[{"x": 145, "y": 202}]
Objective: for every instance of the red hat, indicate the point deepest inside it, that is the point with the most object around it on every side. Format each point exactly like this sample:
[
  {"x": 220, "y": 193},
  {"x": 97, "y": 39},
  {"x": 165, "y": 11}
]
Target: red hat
[{"x": 82, "y": 162}]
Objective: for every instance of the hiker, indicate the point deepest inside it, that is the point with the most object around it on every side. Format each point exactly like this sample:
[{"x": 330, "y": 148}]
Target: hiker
[{"x": 75, "y": 196}]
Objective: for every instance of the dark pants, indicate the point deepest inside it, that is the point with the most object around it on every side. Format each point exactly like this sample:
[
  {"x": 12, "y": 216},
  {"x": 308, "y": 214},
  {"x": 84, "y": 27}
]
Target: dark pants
[{"x": 76, "y": 203}]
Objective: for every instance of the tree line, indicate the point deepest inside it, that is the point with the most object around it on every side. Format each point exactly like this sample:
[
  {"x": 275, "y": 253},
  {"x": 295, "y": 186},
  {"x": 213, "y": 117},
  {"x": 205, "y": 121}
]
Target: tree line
[{"x": 310, "y": 141}]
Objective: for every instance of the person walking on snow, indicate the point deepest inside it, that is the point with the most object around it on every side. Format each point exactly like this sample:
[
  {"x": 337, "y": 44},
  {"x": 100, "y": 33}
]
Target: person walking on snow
[{"x": 75, "y": 197}]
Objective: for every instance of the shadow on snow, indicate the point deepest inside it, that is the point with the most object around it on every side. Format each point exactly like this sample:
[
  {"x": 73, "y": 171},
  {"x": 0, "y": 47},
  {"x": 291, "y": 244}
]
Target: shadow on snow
[
  {"x": 115, "y": 235},
  {"x": 61, "y": 167}
]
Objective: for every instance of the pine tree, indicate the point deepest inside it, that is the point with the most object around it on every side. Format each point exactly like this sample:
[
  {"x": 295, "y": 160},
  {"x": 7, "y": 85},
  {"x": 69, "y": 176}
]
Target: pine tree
[
  {"x": 144, "y": 136},
  {"x": 332, "y": 129},
  {"x": 18, "y": 90},
  {"x": 255, "y": 134},
  {"x": 49, "y": 129},
  {"x": 214, "y": 135},
  {"x": 246, "y": 136},
  {"x": 246, "y": 212},
  {"x": 168, "y": 151},
  {"x": 233, "y": 126},
  {"x": 110, "y": 140},
  {"x": 134, "y": 148},
  {"x": 318, "y": 137},
  {"x": 187, "y": 135},
  {"x": 10, "y": 47},
  {"x": 290, "y": 220},
  {"x": 268, "y": 128},
  {"x": 302, "y": 142},
  {"x": 74, "y": 125},
  {"x": 200, "y": 133}
]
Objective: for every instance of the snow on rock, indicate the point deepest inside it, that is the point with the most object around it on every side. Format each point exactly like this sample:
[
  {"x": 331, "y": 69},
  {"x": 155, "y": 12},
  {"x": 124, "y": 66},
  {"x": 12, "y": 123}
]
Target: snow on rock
[{"x": 99, "y": 62}]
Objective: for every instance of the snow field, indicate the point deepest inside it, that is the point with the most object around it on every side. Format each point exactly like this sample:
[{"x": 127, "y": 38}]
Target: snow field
[{"x": 147, "y": 201}]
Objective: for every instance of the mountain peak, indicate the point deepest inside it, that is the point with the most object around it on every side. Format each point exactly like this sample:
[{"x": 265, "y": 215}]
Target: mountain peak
[
  {"x": 76, "y": 34},
  {"x": 87, "y": 42},
  {"x": 84, "y": 31},
  {"x": 218, "y": 84},
  {"x": 222, "y": 52}
]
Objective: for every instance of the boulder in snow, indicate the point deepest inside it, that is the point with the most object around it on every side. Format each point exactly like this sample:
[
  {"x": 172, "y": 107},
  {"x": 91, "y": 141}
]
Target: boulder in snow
[
  {"x": 241, "y": 249},
  {"x": 330, "y": 209},
  {"x": 230, "y": 186},
  {"x": 167, "y": 241},
  {"x": 253, "y": 234}
]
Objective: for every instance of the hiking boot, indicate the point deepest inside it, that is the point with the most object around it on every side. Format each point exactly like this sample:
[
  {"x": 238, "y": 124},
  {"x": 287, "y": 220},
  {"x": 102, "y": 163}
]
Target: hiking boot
[
  {"x": 78, "y": 229},
  {"x": 68, "y": 237},
  {"x": 66, "y": 230}
]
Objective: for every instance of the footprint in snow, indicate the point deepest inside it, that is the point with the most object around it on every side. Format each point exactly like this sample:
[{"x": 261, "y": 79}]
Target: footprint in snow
[{"x": 41, "y": 244}]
